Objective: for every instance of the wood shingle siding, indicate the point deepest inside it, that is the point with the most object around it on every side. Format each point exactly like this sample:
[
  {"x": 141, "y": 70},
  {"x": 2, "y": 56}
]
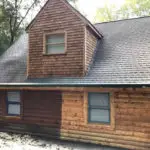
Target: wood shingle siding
[
  {"x": 80, "y": 43},
  {"x": 90, "y": 46},
  {"x": 56, "y": 17}
]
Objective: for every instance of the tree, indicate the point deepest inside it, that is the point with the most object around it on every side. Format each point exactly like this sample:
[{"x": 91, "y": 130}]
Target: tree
[
  {"x": 12, "y": 9},
  {"x": 106, "y": 13},
  {"x": 135, "y": 8},
  {"x": 4, "y": 33},
  {"x": 131, "y": 8}
]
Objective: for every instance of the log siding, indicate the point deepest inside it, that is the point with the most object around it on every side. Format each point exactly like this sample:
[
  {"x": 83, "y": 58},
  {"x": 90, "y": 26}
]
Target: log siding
[{"x": 63, "y": 114}]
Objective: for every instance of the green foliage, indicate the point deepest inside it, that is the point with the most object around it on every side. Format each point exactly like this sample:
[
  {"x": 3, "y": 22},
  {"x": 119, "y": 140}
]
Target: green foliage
[
  {"x": 131, "y": 8},
  {"x": 136, "y": 8},
  {"x": 12, "y": 19},
  {"x": 4, "y": 33},
  {"x": 106, "y": 13}
]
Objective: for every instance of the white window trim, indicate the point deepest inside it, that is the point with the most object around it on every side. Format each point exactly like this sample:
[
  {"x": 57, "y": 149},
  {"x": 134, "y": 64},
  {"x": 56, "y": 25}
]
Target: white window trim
[{"x": 54, "y": 33}]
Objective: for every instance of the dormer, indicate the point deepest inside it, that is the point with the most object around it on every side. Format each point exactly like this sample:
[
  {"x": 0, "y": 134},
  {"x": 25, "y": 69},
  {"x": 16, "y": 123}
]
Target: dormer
[{"x": 61, "y": 42}]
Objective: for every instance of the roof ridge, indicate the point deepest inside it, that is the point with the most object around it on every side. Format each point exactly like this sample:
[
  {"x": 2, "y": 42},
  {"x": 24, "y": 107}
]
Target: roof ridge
[{"x": 122, "y": 20}]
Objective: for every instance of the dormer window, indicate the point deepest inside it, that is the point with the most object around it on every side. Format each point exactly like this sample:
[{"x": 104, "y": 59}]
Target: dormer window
[{"x": 54, "y": 43}]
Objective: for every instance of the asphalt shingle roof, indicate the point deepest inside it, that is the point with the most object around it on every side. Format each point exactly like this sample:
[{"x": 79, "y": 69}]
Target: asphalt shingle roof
[
  {"x": 122, "y": 57},
  {"x": 13, "y": 61}
]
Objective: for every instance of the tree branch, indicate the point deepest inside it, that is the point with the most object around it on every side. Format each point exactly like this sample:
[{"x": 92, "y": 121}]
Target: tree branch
[
  {"x": 26, "y": 14},
  {"x": 16, "y": 13}
]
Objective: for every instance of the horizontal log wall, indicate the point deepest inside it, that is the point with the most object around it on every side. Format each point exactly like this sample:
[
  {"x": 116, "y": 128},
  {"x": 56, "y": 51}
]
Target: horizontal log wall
[
  {"x": 131, "y": 120},
  {"x": 42, "y": 107},
  {"x": 2, "y": 96},
  {"x": 133, "y": 112},
  {"x": 63, "y": 115}
]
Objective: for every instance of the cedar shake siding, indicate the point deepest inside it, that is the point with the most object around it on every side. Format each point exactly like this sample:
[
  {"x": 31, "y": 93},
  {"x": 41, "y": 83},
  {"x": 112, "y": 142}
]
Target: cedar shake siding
[
  {"x": 90, "y": 46},
  {"x": 63, "y": 114},
  {"x": 56, "y": 17}
]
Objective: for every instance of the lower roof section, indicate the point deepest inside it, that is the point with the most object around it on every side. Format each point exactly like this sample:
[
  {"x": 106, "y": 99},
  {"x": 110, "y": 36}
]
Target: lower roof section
[{"x": 122, "y": 58}]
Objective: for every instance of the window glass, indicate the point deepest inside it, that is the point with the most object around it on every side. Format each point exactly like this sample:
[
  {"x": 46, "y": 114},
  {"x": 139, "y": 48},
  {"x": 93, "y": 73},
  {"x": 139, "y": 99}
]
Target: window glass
[
  {"x": 14, "y": 109},
  {"x": 55, "y": 49},
  {"x": 99, "y": 109},
  {"x": 55, "y": 44},
  {"x": 13, "y": 96},
  {"x": 99, "y": 115},
  {"x": 13, "y": 103},
  {"x": 99, "y": 99},
  {"x": 58, "y": 38}
]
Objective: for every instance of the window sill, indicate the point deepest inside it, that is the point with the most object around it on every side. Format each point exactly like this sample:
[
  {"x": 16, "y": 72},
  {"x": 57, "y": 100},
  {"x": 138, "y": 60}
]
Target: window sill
[
  {"x": 12, "y": 117},
  {"x": 107, "y": 126},
  {"x": 44, "y": 54},
  {"x": 99, "y": 123}
]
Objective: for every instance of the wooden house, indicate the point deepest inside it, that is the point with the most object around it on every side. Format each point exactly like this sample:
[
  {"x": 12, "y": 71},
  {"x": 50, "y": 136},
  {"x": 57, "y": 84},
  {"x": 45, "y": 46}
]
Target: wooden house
[{"x": 69, "y": 79}]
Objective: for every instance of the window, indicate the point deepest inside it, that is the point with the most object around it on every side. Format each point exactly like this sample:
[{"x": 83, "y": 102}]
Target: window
[
  {"x": 98, "y": 107},
  {"x": 13, "y": 103},
  {"x": 55, "y": 43}
]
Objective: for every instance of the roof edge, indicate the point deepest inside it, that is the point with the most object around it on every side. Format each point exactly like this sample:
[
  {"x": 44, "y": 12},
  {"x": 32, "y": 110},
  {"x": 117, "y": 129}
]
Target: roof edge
[
  {"x": 121, "y": 20},
  {"x": 74, "y": 85}
]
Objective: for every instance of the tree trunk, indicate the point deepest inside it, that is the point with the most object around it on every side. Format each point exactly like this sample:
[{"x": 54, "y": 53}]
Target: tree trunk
[{"x": 12, "y": 39}]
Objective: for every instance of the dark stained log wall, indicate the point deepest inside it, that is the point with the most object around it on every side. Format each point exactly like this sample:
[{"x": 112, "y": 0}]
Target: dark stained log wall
[
  {"x": 42, "y": 107},
  {"x": 1, "y": 102}
]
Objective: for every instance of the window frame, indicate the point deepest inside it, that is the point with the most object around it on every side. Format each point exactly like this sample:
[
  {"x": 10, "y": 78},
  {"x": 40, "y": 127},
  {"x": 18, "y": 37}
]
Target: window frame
[
  {"x": 9, "y": 102},
  {"x": 54, "y": 33},
  {"x": 90, "y": 107}
]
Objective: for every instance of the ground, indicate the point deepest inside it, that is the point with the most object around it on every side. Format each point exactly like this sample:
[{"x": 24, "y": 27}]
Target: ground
[{"x": 9, "y": 141}]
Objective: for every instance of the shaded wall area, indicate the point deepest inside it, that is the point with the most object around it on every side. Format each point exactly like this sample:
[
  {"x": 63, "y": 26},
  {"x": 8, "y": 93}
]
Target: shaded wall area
[
  {"x": 38, "y": 108},
  {"x": 42, "y": 107}
]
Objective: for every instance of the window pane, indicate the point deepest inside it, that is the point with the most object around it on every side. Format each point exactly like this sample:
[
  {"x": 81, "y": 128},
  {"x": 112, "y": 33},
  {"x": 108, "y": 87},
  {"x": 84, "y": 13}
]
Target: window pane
[
  {"x": 14, "y": 109},
  {"x": 98, "y": 115},
  {"x": 58, "y": 38},
  {"x": 55, "y": 49},
  {"x": 13, "y": 96},
  {"x": 99, "y": 99}
]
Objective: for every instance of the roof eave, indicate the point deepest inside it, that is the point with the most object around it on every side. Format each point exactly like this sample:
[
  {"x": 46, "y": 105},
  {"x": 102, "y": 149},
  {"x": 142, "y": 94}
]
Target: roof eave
[{"x": 74, "y": 85}]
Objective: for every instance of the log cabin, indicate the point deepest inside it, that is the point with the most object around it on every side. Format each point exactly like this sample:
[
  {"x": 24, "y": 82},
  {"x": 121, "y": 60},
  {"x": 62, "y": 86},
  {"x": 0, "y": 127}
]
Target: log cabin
[{"x": 69, "y": 79}]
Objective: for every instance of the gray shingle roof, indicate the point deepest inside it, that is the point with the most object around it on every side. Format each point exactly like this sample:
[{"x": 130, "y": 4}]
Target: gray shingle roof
[
  {"x": 122, "y": 57},
  {"x": 13, "y": 62}
]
